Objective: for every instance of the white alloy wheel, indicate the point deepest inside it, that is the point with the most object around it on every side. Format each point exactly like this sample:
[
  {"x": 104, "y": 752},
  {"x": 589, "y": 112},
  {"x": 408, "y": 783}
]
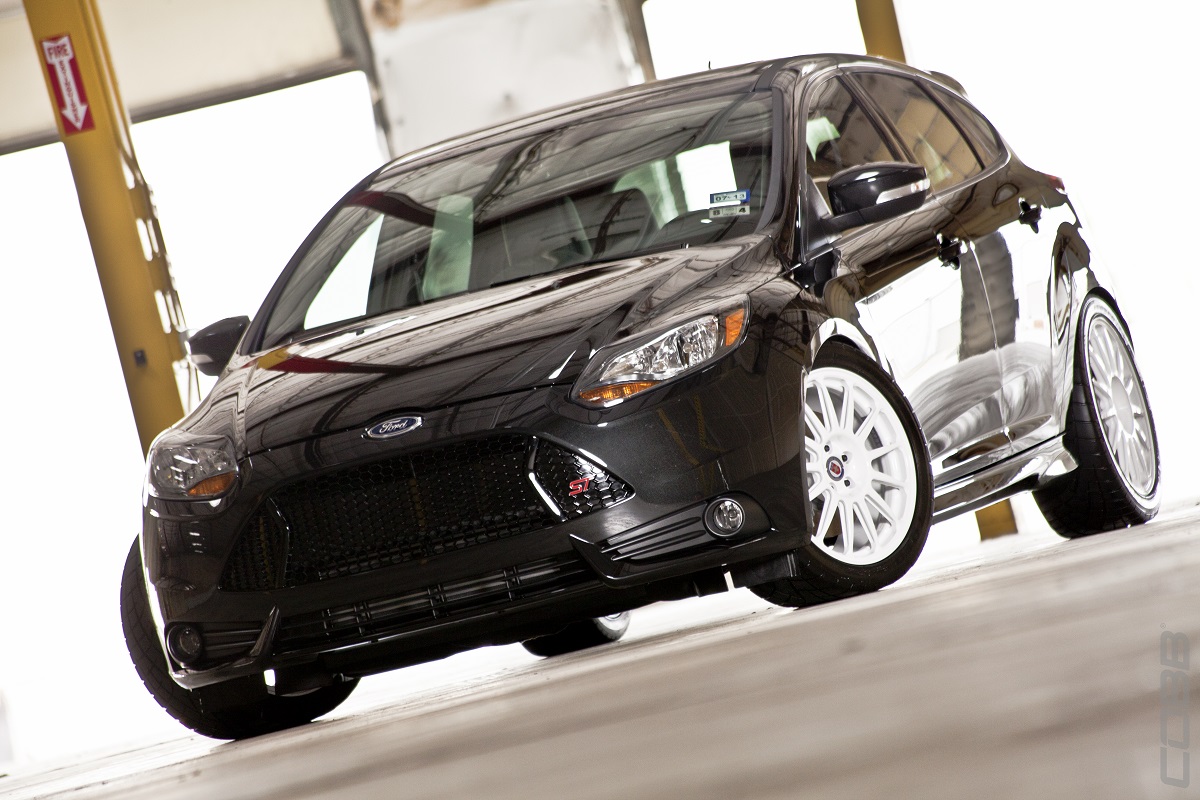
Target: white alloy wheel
[
  {"x": 862, "y": 480},
  {"x": 1121, "y": 407},
  {"x": 1110, "y": 431}
]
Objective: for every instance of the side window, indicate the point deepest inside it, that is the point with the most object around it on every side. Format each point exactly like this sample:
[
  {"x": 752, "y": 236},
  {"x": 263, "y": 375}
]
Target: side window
[
  {"x": 977, "y": 129},
  {"x": 933, "y": 138},
  {"x": 838, "y": 134}
]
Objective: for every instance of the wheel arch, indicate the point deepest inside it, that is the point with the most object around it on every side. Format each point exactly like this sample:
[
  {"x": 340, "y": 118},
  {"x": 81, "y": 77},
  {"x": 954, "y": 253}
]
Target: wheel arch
[
  {"x": 1108, "y": 298},
  {"x": 836, "y": 329}
]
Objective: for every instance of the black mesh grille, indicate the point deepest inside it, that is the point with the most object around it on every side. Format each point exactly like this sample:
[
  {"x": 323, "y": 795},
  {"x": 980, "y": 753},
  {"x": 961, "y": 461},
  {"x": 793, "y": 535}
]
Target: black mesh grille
[
  {"x": 258, "y": 559},
  {"x": 411, "y": 507},
  {"x": 385, "y": 616},
  {"x": 577, "y": 485}
]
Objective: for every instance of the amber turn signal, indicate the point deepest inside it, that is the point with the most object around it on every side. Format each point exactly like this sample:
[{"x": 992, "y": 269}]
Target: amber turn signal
[
  {"x": 211, "y": 487},
  {"x": 615, "y": 391},
  {"x": 734, "y": 322}
]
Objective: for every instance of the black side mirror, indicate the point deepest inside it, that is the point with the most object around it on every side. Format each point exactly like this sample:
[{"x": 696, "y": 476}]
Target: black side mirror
[
  {"x": 209, "y": 349},
  {"x": 874, "y": 192}
]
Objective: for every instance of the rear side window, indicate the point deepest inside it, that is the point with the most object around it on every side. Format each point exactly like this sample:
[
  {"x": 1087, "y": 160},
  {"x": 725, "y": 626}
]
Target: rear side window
[
  {"x": 839, "y": 134},
  {"x": 933, "y": 138},
  {"x": 977, "y": 129}
]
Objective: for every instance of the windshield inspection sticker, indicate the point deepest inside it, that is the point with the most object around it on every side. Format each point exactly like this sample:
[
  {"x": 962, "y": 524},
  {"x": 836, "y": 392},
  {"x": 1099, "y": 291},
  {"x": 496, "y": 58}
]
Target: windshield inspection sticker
[
  {"x": 740, "y": 196},
  {"x": 729, "y": 211}
]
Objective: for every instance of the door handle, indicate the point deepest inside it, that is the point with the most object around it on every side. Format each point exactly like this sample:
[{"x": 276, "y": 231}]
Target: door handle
[
  {"x": 948, "y": 250},
  {"x": 1030, "y": 215}
]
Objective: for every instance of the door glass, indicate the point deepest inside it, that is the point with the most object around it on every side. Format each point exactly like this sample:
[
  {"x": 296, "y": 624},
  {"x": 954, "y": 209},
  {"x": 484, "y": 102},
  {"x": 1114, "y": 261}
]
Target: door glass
[
  {"x": 933, "y": 138},
  {"x": 838, "y": 134}
]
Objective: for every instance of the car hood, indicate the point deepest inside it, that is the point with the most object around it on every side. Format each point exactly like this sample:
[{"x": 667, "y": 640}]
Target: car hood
[{"x": 537, "y": 333}]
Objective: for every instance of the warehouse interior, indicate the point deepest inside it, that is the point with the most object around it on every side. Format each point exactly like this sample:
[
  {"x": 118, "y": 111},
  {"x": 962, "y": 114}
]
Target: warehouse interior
[{"x": 248, "y": 119}]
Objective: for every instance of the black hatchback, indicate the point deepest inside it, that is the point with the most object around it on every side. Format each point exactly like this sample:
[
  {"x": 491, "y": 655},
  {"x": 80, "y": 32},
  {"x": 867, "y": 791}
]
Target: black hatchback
[{"x": 757, "y": 327}]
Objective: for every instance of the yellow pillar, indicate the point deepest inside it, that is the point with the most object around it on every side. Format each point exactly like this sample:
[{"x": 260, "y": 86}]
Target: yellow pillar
[
  {"x": 881, "y": 35},
  {"x": 996, "y": 520},
  {"x": 143, "y": 308},
  {"x": 880, "y": 30}
]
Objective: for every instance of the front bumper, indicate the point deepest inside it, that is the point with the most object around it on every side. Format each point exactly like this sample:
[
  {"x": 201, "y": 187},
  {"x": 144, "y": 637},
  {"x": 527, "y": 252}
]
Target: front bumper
[{"x": 729, "y": 431}]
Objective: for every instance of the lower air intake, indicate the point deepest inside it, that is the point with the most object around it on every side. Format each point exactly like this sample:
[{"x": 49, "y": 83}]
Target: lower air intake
[{"x": 414, "y": 506}]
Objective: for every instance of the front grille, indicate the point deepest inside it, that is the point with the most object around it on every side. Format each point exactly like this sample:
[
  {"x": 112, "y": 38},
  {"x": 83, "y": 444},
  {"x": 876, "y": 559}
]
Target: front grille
[
  {"x": 373, "y": 619},
  {"x": 412, "y": 507},
  {"x": 575, "y": 484}
]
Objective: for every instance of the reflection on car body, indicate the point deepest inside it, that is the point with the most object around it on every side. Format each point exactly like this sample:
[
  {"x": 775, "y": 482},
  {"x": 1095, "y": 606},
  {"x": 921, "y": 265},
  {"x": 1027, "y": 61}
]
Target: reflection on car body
[{"x": 758, "y": 327}]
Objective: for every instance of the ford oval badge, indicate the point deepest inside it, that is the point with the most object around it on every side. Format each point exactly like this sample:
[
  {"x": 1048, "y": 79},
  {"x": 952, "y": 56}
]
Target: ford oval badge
[{"x": 396, "y": 426}]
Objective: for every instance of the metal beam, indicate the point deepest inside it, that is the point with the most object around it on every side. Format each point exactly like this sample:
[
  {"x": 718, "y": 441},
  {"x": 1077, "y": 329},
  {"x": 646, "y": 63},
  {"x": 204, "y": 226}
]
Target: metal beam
[
  {"x": 191, "y": 102},
  {"x": 163, "y": 55},
  {"x": 356, "y": 48},
  {"x": 636, "y": 21},
  {"x": 118, "y": 212},
  {"x": 880, "y": 30},
  {"x": 996, "y": 520}
]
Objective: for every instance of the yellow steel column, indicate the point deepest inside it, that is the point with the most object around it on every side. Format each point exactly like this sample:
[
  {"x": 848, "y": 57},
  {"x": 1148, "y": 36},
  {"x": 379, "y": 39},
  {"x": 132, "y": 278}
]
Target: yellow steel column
[
  {"x": 880, "y": 30},
  {"x": 996, "y": 520},
  {"x": 145, "y": 313},
  {"x": 881, "y": 35}
]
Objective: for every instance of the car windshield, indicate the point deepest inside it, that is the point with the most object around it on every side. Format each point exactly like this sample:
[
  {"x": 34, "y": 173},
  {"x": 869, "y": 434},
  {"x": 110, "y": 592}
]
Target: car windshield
[{"x": 628, "y": 181}]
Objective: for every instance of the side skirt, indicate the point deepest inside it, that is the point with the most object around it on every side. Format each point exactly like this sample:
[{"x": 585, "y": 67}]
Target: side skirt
[{"x": 1015, "y": 474}]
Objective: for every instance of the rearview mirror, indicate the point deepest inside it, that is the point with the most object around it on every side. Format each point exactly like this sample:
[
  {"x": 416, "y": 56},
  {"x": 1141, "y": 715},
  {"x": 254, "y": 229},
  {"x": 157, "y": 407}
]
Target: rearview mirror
[
  {"x": 874, "y": 192},
  {"x": 209, "y": 349}
]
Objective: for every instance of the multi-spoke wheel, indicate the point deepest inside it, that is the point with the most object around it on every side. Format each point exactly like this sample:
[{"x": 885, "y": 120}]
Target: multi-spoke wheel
[
  {"x": 1110, "y": 431},
  {"x": 861, "y": 479},
  {"x": 868, "y": 483}
]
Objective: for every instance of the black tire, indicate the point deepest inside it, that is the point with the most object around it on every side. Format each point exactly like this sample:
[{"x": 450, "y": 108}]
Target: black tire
[
  {"x": 1099, "y": 495},
  {"x": 820, "y": 577},
  {"x": 234, "y": 710},
  {"x": 580, "y": 636}
]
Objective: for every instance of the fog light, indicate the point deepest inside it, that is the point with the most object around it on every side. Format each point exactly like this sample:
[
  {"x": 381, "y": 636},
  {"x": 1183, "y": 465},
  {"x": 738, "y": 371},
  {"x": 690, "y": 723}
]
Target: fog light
[
  {"x": 725, "y": 518},
  {"x": 185, "y": 643}
]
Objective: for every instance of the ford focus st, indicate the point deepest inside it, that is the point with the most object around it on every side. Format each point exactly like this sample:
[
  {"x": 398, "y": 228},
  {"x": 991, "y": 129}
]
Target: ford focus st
[{"x": 758, "y": 327}]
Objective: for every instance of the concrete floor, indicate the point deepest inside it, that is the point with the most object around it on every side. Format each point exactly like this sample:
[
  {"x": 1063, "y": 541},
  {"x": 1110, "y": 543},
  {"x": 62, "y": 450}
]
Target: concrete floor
[{"x": 1027, "y": 667}]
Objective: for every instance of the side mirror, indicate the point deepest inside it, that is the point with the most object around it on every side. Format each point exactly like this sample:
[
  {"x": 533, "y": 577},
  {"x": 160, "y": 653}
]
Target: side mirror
[
  {"x": 874, "y": 192},
  {"x": 209, "y": 349}
]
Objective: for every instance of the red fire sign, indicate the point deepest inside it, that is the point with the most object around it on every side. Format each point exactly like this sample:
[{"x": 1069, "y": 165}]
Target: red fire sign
[{"x": 68, "y": 85}]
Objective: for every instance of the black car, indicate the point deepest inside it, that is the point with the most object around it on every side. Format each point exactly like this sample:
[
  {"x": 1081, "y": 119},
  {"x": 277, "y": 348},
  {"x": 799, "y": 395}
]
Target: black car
[{"x": 757, "y": 327}]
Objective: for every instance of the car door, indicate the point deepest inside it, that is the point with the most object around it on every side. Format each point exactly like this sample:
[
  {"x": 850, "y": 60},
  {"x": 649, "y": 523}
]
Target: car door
[
  {"x": 1019, "y": 225},
  {"x": 908, "y": 285}
]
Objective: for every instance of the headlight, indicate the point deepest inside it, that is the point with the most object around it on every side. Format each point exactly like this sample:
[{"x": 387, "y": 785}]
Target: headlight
[
  {"x": 619, "y": 373},
  {"x": 185, "y": 467}
]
